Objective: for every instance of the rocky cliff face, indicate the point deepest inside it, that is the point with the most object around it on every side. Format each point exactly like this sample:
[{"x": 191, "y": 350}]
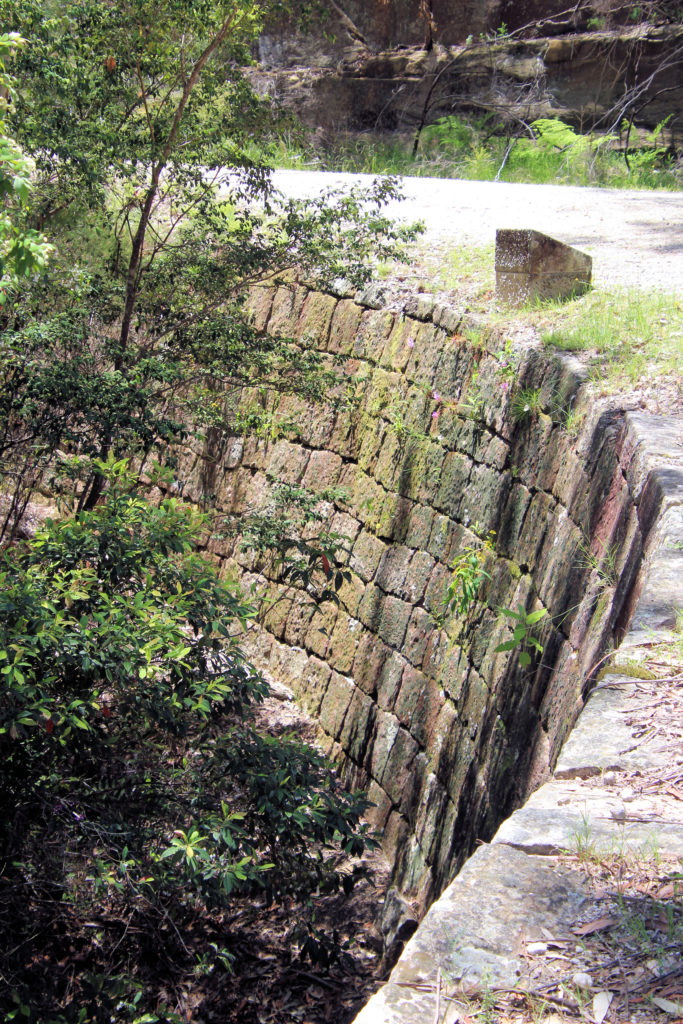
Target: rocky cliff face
[
  {"x": 446, "y": 733},
  {"x": 385, "y": 24},
  {"x": 381, "y": 67}
]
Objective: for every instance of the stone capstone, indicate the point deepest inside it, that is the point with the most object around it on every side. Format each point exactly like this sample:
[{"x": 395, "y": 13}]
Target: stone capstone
[{"x": 531, "y": 266}]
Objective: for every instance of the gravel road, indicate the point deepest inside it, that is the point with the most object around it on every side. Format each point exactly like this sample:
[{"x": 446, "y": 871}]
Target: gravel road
[{"x": 635, "y": 238}]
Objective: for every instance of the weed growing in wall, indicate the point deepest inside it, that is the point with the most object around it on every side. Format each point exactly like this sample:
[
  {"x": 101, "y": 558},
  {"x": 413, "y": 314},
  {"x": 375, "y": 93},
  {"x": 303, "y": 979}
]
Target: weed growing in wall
[
  {"x": 473, "y": 405},
  {"x": 603, "y": 562},
  {"x": 507, "y": 369},
  {"x": 526, "y": 404},
  {"x": 468, "y": 576},
  {"x": 523, "y": 639}
]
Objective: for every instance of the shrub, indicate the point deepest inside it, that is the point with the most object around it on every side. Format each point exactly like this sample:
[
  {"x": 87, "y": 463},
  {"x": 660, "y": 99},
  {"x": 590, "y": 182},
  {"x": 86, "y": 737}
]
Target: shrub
[{"x": 135, "y": 787}]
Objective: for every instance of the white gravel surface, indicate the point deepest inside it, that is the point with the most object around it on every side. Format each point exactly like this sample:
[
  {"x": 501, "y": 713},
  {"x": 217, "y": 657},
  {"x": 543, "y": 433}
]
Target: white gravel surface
[{"x": 635, "y": 238}]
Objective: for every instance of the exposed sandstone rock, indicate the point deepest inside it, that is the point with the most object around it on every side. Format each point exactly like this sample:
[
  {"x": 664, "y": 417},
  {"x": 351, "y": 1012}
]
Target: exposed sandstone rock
[{"x": 579, "y": 78}]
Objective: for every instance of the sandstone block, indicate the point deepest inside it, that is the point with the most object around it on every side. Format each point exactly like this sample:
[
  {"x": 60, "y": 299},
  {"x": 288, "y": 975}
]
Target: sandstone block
[
  {"x": 436, "y": 589},
  {"x": 531, "y": 265},
  {"x": 536, "y": 520},
  {"x": 399, "y": 767},
  {"x": 370, "y": 607},
  {"x": 314, "y": 684},
  {"x": 389, "y": 679},
  {"x": 417, "y": 576},
  {"x": 395, "y": 835},
  {"x": 335, "y": 704},
  {"x": 419, "y": 526},
  {"x": 390, "y": 460},
  {"x": 454, "y": 478},
  {"x": 413, "y": 683},
  {"x": 420, "y": 628},
  {"x": 430, "y": 814},
  {"x": 316, "y": 315},
  {"x": 322, "y": 471},
  {"x": 351, "y": 594},
  {"x": 347, "y": 528},
  {"x": 343, "y": 643},
  {"x": 426, "y": 353},
  {"x": 454, "y": 670},
  {"x": 259, "y": 303},
  {"x": 287, "y": 462},
  {"x": 392, "y": 569},
  {"x": 380, "y": 806},
  {"x": 434, "y": 464},
  {"x": 373, "y": 331},
  {"x": 344, "y": 325},
  {"x": 275, "y": 619},
  {"x": 367, "y": 554},
  {"x": 435, "y": 653},
  {"x": 485, "y": 497},
  {"x": 394, "y": 621},
  {"x": 391, "y": 522},
  {"x": 444, "y": 729},
  {"x": 286, "y": 308},
  {"x": 299, "y": 621},
  {"x": 369, "y": 662},
  {"x": 358, "y": 726},
  {"x": 426, "y": 712},
  {"x": 475, "y": 703},
  {"x": 443, "y": 538},
  {"x": 387, "y": 730},
  {"x": 320, "y": 628},
  {"x": 507, "y": 539},
  {"x": 397, "y": 349}
]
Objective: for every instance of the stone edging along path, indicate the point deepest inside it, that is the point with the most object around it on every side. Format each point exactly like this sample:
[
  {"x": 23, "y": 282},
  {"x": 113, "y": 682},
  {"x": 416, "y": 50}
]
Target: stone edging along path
[{"x": 515, "y": 891}]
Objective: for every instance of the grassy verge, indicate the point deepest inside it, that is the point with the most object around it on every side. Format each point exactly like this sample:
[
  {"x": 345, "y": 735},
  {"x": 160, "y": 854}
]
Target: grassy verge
[
  {"x": 454, "y": 148},
  {"x": 627, "y": 338},
  {"x": 630, "y": 337}
]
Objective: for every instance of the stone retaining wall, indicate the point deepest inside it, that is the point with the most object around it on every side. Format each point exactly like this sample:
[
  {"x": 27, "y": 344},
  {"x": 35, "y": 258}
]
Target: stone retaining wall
[
  {"x": 480, "y": 934},
  {"x": 443, "y": 444}
]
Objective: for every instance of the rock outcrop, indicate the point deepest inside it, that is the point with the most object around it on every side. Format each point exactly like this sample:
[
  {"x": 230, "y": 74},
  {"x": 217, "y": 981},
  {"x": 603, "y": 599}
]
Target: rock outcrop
[{"x": 581, "y": 78}]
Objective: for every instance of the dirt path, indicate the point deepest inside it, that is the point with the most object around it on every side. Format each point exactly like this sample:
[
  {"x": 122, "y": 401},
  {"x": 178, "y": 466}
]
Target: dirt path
[{"x": 635, "y": 238}]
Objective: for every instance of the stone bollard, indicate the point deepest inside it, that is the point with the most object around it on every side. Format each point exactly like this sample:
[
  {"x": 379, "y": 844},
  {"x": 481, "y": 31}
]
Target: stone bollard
[{"x": 530, "y": 265}]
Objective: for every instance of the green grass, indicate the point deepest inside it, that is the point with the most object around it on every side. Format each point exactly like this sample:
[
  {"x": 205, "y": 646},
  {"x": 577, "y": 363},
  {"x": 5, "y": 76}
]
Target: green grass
[
  {"x": 468, "y": 268},
  {"x": 628, "y": 335},
  {"x": 453, "y": 148}
]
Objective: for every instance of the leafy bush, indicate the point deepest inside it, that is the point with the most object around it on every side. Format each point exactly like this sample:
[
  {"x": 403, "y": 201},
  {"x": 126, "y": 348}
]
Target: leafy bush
[
  {"x": 132, "y": 777},
  {"x": 468, "y": 574},
  {"x": 523, "y": 639}
]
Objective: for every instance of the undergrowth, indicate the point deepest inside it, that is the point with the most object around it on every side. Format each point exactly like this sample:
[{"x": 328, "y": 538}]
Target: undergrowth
[{"x": 478, "y": 150}]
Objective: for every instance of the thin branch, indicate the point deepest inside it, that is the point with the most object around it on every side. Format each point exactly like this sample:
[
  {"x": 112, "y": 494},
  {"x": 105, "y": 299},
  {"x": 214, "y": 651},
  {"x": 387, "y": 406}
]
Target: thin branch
[
  {"x": 143, "y": 93},
  {"x": 348, "y": 24}
]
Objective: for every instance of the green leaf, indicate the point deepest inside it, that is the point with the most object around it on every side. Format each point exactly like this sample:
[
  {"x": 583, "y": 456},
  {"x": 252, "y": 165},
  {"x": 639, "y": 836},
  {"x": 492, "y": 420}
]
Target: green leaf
[{"x": 509, "y": 645}]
